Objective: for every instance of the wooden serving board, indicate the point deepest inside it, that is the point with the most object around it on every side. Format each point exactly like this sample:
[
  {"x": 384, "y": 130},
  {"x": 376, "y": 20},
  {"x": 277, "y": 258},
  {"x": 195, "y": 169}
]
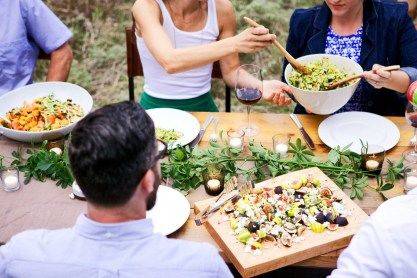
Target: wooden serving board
[{"x": 276, "y": 257}]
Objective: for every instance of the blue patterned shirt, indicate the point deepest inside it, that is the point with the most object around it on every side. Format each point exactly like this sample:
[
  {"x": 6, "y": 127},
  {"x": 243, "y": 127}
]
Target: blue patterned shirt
[
  {"x": 25, "y": 27},
  {"x": 348, "y": 46}
]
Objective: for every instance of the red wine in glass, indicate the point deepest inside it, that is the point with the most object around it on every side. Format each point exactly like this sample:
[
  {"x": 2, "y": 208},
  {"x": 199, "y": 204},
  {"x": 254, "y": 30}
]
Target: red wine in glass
[{"x": 248, "y": 96}]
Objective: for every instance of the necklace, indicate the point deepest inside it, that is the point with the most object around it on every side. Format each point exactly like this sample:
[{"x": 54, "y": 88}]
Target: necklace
[{"x": 200, "y": 12}]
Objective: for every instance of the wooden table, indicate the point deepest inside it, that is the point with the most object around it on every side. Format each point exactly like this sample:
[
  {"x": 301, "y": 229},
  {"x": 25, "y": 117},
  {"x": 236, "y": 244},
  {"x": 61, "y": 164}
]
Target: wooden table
[{"x": 43, "y": 205}]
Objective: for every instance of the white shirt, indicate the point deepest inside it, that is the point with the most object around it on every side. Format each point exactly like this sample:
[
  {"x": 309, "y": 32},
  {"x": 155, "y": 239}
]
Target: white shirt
[
  {"x": 386, "y": 245},
  {"x": 92, "y": 249}
]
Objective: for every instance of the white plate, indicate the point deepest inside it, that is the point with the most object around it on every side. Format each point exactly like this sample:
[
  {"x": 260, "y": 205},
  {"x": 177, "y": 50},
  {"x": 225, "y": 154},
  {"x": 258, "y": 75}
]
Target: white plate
[
  {"x": 349, "y": 127},
  {"x": 178, "y": 120},
  {"x": 61, "y": 90},
  {"x": 170, "y": 212}
]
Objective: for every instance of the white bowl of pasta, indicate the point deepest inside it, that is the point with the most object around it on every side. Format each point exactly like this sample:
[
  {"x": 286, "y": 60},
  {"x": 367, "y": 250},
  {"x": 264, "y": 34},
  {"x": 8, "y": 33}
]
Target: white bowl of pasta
[
  {"x": 43, "y": 111},
  {"x": 309, "y": 92}
]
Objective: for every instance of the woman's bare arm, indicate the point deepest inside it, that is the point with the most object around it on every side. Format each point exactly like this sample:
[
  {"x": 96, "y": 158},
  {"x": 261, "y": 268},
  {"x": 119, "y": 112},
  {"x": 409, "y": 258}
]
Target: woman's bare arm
[
  {"x": 147, "y": 18},
  {"x": 230, "y": 63},
  {"x": 272, "y": 90}
]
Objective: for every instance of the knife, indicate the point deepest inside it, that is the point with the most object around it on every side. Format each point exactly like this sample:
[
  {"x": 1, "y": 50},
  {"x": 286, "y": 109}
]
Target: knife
[
  {"x": 200, "y": 135},
  {"x": 304, "y": 133},
  {"x": 216, "y": 206}
]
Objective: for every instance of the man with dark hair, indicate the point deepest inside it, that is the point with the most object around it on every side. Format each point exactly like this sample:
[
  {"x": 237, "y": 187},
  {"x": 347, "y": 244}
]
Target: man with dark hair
[{"x": 115, "y": 159}]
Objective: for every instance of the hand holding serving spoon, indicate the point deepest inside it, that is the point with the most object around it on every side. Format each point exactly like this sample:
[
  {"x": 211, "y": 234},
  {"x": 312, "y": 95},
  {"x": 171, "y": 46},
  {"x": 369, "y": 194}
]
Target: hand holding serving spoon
[
  {"x": 294, "y": 63},
  {"x": 350, "y": 78}
]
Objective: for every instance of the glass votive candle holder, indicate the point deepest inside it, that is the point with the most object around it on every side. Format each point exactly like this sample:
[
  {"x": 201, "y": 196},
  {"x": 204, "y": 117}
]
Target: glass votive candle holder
[
  {"x": 236, "y": 138},
  {"x": 280, "y": 144},
  {"x": 214, "y": 136},
  {"x": 56, "y": 143},
  {"x": 411, "y": 178},
  {"x": 10, "y": 179},
  {"x": 213, "y": 179},
  {"x": 373, "y": 159},
  {"x": 57, "y": 146}
]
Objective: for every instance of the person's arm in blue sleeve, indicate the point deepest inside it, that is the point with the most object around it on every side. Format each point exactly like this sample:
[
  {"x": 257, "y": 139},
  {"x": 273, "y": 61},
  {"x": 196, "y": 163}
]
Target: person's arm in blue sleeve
[
  {"x": 399, "y": 80},
  {"x": 51, "y": 35},
  {"x": 408, "y": 42}
]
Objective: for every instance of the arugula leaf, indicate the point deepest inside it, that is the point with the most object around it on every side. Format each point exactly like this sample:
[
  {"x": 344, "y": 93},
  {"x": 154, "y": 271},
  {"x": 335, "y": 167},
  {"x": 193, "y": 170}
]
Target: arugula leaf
[
  {"x": 334, "y": 156},
  {"x": 386, "y": 186},
  {"x": 42, "y": 164}
]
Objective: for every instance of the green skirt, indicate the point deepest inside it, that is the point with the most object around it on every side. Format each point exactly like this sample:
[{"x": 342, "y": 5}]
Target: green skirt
[{"x": 204, "y": 103}]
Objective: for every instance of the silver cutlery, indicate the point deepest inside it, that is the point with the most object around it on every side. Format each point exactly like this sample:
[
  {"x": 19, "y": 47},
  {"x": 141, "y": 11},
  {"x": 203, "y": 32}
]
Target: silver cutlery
[
  {"x": 304, "y": 133},
  {"x": 200, "y": 135},
  {"x": 234, "y": 195}
]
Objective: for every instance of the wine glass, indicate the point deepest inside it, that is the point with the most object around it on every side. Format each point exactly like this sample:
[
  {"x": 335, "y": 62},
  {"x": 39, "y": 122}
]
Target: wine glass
[
  {"x": 249, "y": 91},
  {"x": 411, "y": 116}
]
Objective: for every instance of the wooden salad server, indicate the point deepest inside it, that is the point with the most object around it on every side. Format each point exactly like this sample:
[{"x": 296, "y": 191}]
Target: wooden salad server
[
  {"x": 294, "y": 63},
  {"x": 350, "y": 78}
]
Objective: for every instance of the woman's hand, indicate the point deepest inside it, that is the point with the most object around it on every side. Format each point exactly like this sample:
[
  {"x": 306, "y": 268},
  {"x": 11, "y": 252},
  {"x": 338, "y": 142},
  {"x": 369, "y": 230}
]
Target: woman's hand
[
  {"x": 378, "y": 77},
  {"x": 397, "y": 80},
  {"x": 252, "y": 40},
  {"x": 276, "y": 92}
]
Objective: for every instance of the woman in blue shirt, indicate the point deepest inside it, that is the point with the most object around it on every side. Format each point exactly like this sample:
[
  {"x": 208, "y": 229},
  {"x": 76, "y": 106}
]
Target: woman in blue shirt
[{"x": 371, "y": 32}]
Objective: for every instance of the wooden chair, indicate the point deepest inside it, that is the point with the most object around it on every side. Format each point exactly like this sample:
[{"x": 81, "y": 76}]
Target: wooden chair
[{"x": 134, "y": 67}]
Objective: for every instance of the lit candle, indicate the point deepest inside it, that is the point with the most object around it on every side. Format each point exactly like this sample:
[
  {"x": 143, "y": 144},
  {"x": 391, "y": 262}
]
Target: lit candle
[
  {"x": 10, "y": 181},
  {"x": 372, "y": 165},
  {"x": 410, "y": 183},
  {"x": 56, "y": 150},
  {"x": 213, "y": 137},
  {"x": 235, "y": 142},
  {"x": 213, "y": 184},
  {"x": 281, "y": 149}
]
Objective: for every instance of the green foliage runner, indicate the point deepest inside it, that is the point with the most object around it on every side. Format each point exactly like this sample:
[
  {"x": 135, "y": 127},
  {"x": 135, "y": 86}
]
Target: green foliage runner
[{"x": 186, "y": 167}]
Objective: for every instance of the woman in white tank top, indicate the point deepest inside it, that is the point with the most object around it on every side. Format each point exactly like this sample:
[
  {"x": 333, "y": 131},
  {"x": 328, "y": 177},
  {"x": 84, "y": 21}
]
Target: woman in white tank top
[{"x": 178, "y": 41}]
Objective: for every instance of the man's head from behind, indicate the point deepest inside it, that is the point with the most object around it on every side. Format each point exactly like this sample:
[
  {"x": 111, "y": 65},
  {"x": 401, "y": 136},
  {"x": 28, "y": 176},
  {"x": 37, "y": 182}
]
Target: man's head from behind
[{"x": 112, "y": 154}]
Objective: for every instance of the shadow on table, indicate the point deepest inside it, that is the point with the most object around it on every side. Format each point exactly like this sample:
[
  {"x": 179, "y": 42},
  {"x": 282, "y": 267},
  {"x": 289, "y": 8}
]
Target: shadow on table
[{"x": 291, "y": 272}]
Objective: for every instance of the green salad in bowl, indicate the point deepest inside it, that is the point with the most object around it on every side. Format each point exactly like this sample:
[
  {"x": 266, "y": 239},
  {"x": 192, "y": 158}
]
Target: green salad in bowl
[
  {"x": 323, "y": 73},
  {"x": 310, "y": 90}
]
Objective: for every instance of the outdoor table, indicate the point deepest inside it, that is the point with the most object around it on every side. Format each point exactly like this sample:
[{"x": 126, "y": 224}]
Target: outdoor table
[{"x": 43, "y": 205}]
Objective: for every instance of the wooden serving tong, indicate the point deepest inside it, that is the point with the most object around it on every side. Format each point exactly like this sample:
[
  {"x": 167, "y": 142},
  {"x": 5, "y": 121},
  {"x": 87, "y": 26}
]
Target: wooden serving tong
[
  {"x": 294, "y": 63},
  {"x": 350, "y": 78}
]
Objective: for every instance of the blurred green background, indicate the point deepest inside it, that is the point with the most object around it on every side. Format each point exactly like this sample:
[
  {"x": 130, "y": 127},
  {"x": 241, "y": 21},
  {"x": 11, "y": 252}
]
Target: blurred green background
[{"x": 99, "y": 45}]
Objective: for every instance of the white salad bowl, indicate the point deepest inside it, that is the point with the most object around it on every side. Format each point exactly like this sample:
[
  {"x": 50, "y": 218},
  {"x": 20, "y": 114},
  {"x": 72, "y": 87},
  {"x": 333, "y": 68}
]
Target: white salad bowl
[
  {"x": 325, "y": 102},
  {"x": 61, "y": 90}
]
